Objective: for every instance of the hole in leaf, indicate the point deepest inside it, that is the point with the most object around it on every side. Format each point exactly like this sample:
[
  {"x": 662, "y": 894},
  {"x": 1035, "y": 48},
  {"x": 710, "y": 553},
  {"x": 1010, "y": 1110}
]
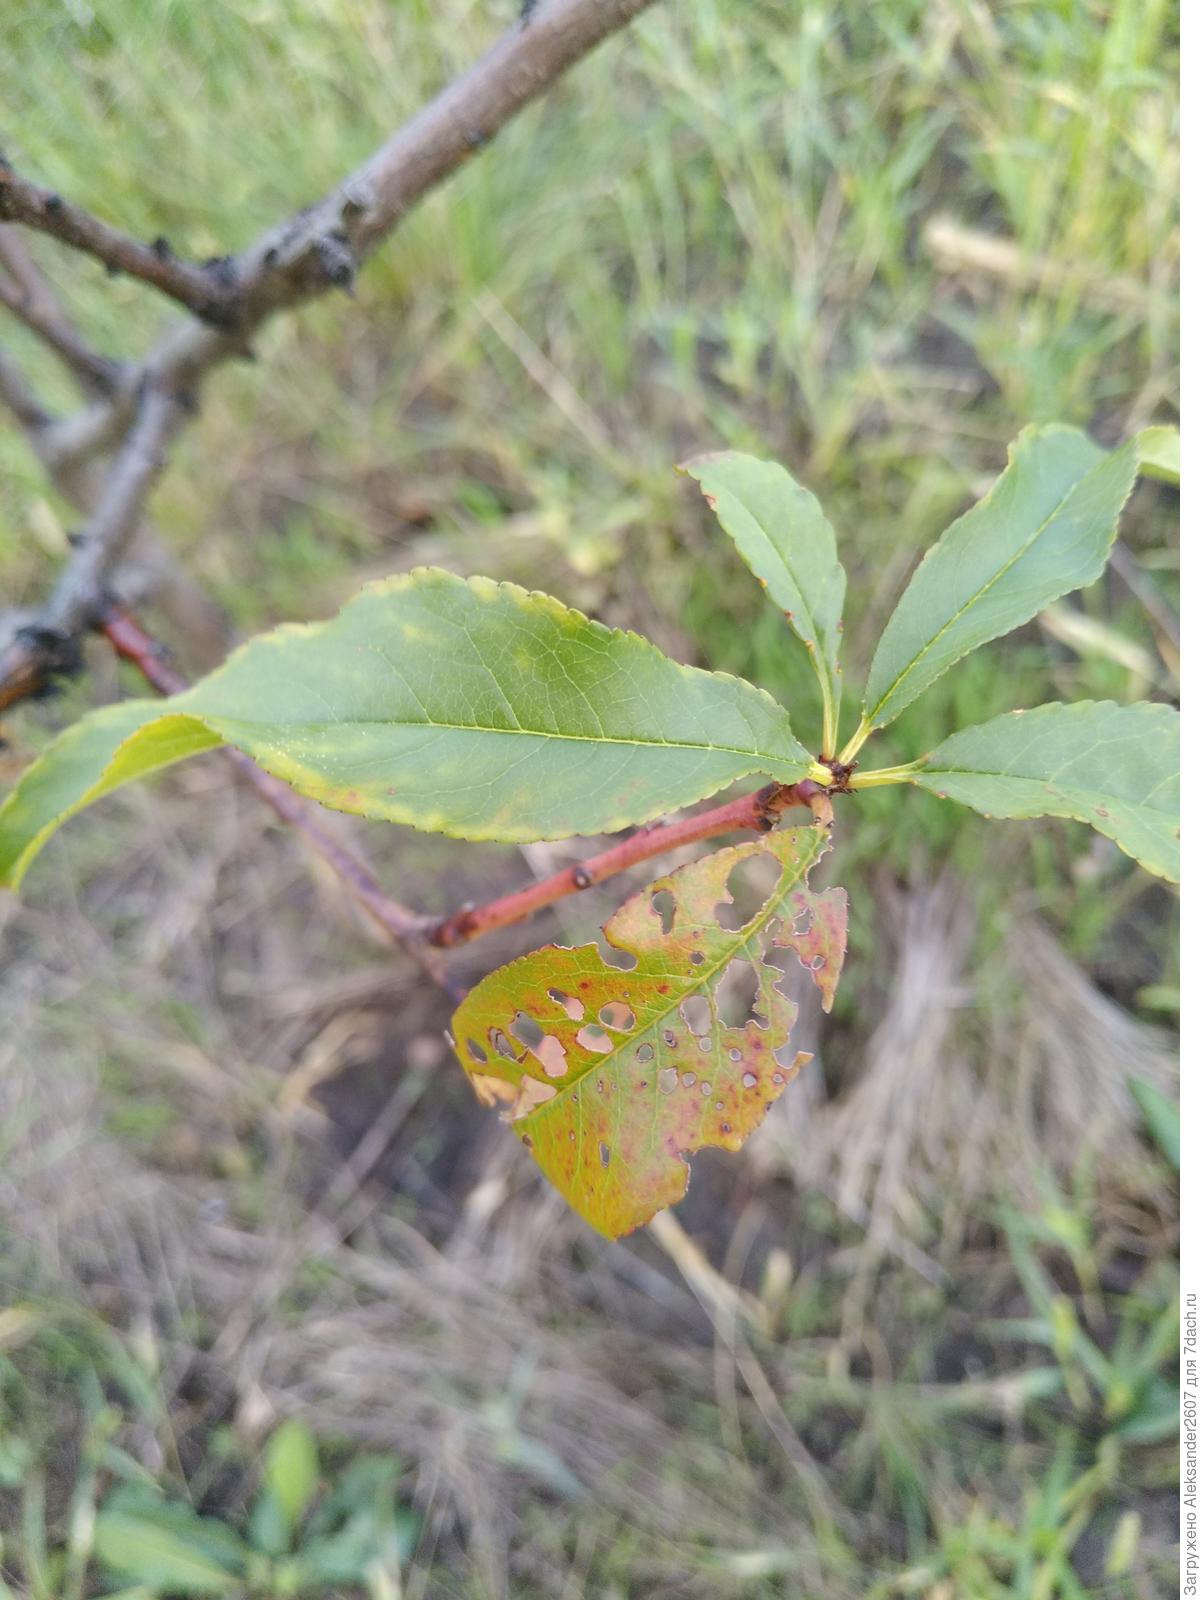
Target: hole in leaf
[
  {"x": 697, "y": 1013},
  {"x": 737, "y": 991},
  {"x": 594, "y": 1038},
  {"x": 663, "y": 902},
  {"x": 688, "y": 1079},
  {"x": 476, "y": 1052},
  {"x": 526, "y": 1030},
  {"x": 532, "y": 1095},
  {"x": 749, "y": 884},
  {"x": 668, "y": 1078},
  {"x": 644, "y": 1052},
  {"x": 605, "y": 1154},
  {"x": 617, "y": 1015},
  {"x": 552, "y": 1056},
  {"x": 499, "y": 1043},
  {"x": 622, "y": 960},
  {"x": 697, "y": 958},
  {"x": 749, "y": 1080},
  {"x": 570, "y": 1003}
]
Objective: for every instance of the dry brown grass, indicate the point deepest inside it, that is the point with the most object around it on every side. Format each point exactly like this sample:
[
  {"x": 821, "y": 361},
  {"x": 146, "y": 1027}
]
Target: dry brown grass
[{"x": 231, "y": 1127}]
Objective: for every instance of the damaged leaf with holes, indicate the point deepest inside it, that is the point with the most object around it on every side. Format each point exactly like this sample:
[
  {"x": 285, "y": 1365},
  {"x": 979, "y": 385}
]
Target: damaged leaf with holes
[{"x": 612, "y": 1074}]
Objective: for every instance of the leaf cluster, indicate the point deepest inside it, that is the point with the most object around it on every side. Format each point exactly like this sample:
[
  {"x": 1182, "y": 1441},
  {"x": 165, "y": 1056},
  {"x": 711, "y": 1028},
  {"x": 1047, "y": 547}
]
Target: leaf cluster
[{"x": 484, "y": 711}]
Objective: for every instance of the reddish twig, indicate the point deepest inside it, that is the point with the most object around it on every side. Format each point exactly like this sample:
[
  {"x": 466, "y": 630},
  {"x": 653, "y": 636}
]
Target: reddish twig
[
  {"x": 133, "y": 644},
  {"x": 36, "y": 207},
  {"x": 755, "y": 813}
]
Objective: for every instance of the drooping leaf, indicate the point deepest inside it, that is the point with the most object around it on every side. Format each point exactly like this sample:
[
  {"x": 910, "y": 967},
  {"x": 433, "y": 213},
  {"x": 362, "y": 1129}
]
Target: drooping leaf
[
  {"x": 461, "y": 706},
  {"x": 1045, "y": 528},
  {"x": 1115, "y": 767},
  {"x": 102, "y": 752},
  {"x": 787, "y": 542},
  {"x": 611, "y": 1074},
  {"x": 1158, "y": 453}
]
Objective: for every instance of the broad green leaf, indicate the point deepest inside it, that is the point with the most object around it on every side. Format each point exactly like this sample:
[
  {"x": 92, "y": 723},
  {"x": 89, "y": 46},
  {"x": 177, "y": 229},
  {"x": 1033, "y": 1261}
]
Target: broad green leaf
[
  {"x": 1158, "y": 453},
  {"x": 461, "y": 706},
  {"x": 167, "y": 1547},
  {"x": 785, "y": 539},
  {"x": 1115, "y": 767},
  {"x": 610, "y": 1074},
  {"x": 1045, "y": 528}
]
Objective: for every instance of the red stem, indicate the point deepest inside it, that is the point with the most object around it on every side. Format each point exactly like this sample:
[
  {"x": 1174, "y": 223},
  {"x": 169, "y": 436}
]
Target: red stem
[{"x": 758, "y": 812}]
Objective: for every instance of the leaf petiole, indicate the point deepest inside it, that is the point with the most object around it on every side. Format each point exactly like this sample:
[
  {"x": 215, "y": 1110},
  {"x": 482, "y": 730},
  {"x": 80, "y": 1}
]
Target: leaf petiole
[
  {"x": 879, "y": 777},
  {"x": 861, "y": 734}
]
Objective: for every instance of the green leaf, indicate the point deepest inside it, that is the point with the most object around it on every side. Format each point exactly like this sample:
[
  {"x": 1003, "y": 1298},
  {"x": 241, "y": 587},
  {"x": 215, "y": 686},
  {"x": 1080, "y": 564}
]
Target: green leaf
[
  {"x": 457, "y": 705},
  {"x": 1115, "y": 767},
  {"x": 611, "y": 1073},
  {"x": 100, "y": 753},
  {"x": 1045, "y": 528},
  {"x": 167, "y": 1547},
  {"x": 290, "y": 1469},
  {"x": 1158, "y": 453},
  {"x": 1160, "y": 1115},
  {"x": 785, "y": 539}
]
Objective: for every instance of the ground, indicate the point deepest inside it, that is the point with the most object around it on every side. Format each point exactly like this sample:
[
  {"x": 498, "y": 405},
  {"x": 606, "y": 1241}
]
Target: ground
[{"x": 927, "y": 1344}]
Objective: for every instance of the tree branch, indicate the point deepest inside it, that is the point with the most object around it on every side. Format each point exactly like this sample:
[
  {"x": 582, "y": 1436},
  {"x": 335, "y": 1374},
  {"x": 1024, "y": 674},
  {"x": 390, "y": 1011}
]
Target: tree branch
[
  {"x": 319, "y": 248},
  {"x": 116, "y": 515},
  {"x": 35, "y": 207},
  {"x": 30, "y": 298},
  {"x": 20, "y": 398}
]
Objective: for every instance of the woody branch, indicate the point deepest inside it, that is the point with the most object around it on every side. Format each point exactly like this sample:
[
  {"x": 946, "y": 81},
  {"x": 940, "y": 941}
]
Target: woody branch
[{"x": 229, "y": 300}]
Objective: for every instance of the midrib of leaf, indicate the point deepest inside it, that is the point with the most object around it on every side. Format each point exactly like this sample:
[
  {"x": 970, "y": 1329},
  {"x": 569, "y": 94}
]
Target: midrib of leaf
[
  {"x": 820, "y": 663},
  {"x": 630, "y": 1041},
  {"x": 217, "y": 720},
  {"x": 979, "y": 594},
  {"x": 1064, "y": 784}
]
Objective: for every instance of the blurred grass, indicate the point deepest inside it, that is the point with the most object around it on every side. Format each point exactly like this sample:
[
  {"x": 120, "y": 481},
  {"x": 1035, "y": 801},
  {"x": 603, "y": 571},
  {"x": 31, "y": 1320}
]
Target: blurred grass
[{"x": 740, "y": 225}]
